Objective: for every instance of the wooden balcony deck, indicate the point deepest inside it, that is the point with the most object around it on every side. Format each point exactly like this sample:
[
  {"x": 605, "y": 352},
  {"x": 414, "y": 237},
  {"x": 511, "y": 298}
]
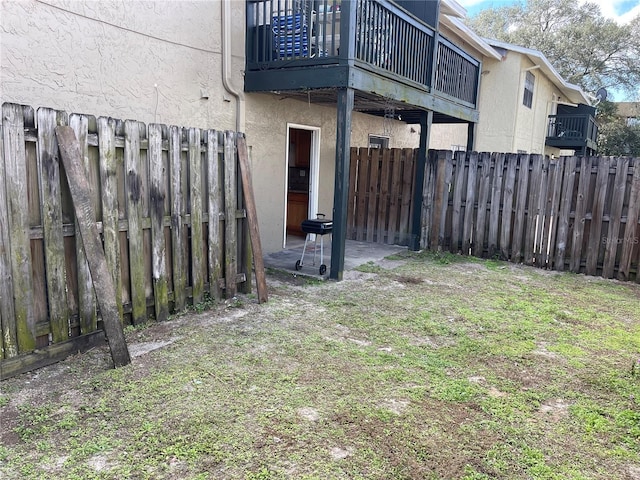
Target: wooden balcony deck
[{"x": 373, "y": 46}]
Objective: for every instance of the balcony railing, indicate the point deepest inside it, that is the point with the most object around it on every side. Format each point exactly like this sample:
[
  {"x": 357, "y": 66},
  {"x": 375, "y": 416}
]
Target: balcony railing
[
  {"x": 386, "y": 39},
  {"x": 566, "y": 130}
]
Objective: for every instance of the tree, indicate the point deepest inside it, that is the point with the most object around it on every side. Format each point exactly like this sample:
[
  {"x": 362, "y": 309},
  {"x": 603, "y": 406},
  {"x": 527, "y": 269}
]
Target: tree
[
  {"x": 584, "y": 47},
  {"x": 615, "y": 137}
]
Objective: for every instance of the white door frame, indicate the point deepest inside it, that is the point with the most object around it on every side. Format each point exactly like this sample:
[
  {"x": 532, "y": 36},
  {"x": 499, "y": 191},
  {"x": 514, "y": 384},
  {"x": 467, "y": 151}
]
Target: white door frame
[{"x": 314, "y": 171}]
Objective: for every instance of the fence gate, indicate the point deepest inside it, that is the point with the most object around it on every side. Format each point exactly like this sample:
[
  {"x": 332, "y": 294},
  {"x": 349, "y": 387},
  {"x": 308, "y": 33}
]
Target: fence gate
[{"x": 381, "y": 185}]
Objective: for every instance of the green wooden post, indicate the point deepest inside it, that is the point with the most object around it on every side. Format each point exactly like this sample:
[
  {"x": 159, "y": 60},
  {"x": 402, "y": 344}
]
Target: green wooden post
[
  {"x": 341, "y": 188},
  {"x": 421, "y": 162}
]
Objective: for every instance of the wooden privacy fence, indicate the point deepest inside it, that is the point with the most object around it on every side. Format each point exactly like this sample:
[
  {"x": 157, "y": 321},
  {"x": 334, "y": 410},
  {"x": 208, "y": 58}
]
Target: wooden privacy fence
[
  {"x": 381, "y": 195},
  {"x": 169, "y": 209},
  {"x": 572, "y": 213}
]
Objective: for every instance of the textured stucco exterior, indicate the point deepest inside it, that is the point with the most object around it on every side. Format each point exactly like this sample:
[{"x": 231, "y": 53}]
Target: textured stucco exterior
[
  {"x": 147, "y": 61},
  {"x": 162, "y": 62}
]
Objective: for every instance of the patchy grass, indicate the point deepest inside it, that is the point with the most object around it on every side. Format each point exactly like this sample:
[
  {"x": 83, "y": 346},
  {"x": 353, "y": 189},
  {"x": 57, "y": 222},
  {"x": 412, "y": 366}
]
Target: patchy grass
[{"x": 442, "y": 367}]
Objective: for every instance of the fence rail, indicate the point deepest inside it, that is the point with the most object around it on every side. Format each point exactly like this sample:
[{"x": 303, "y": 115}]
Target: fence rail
[
  {"x": 163, "y": 196},
  {"x": 580, "y": 214}
]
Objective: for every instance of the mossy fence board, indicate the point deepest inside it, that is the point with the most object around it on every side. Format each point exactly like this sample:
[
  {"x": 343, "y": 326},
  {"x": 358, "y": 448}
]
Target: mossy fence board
[{"x": 169, "y": 209}]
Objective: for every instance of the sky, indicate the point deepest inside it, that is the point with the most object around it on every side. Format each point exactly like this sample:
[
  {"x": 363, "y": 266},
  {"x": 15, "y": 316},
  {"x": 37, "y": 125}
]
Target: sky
[{"x": 622, "y": 11}]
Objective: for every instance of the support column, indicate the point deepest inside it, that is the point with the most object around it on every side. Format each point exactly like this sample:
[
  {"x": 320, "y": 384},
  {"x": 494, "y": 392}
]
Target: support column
[
  {"x": 426, "y": 118},
  {"x": 471, "y": 136},
  {"x": 341, "y": 187}
]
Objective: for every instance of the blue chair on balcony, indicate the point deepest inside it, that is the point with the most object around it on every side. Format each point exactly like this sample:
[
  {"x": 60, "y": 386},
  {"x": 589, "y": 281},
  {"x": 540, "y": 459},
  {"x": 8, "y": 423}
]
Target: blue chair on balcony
[{"x": 290, "y": 36}]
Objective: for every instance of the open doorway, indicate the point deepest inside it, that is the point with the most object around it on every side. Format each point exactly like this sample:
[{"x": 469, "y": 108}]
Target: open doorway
[{"x": 303, "y": 159}]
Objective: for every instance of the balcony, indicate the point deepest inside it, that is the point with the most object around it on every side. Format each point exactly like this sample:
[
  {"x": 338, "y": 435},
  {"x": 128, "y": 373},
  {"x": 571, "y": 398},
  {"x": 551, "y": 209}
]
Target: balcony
[
  {"x": 392, "y": 59},
  {"x": 577, "y": 132}
]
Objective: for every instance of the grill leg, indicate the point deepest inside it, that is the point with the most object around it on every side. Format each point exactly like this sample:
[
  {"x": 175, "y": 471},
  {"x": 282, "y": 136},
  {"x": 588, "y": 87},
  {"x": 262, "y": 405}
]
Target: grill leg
[{"x": 306, "y": 239}]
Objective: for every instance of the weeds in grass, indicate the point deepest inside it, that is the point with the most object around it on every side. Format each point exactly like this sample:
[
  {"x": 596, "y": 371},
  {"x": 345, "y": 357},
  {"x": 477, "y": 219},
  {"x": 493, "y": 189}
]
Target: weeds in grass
[{"x": 441, "y": 367}]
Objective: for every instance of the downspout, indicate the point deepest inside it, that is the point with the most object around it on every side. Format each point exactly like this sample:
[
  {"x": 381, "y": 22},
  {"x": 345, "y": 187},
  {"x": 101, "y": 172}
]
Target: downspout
[{"x": 226, "y": 65}]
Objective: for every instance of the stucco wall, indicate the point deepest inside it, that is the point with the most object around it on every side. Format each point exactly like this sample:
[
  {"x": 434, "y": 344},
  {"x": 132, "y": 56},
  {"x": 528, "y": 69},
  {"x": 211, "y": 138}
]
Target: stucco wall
[{"x": 147, "y": 61}]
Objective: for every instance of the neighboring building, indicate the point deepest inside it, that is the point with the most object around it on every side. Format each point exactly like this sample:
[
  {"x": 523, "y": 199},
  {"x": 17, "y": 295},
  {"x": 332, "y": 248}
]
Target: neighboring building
[
  {"x": 304, "y": 84},
  {"x": 630, "y": 112},
  {"x": 525, "y": 107}
]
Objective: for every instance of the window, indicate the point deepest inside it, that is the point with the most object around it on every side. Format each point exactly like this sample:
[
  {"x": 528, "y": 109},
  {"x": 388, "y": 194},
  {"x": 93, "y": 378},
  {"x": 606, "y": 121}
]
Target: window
[
  {"x": 633, "y": 121},
  {"x": 376, "y": 141},
  {"x": 528, "y": 90}
]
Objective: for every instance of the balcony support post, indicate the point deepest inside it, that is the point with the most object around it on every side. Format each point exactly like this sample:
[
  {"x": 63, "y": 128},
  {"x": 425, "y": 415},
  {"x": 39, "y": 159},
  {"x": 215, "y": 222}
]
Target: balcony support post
[
  {"x": 471, "y": 136},
  {"x": 341, "y": 182},
  {"x": 426, "y": 118}
]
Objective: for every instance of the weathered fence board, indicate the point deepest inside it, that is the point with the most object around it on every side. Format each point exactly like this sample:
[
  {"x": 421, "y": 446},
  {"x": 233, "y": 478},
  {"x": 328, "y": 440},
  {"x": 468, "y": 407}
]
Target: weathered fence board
[
  {"x": 540, "y": 212},
  {"x": 158, "y": 196},
  {"x": 15, "y": 177}
]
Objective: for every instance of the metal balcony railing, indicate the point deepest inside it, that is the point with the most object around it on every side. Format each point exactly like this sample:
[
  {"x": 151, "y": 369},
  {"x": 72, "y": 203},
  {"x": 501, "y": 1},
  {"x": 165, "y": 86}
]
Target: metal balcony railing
[
  {"x": 375, "y": 34},
  {"x": 572, "y": 128}
]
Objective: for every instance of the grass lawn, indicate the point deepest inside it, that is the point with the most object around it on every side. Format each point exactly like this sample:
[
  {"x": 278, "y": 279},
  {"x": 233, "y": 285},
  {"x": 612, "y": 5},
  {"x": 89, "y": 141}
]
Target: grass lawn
[{"x": 421, "y": 367}]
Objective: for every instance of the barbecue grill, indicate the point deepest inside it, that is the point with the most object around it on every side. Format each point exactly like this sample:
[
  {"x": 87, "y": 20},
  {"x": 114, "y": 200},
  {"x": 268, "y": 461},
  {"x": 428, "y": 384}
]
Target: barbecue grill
[{"x": 319, "y": 227}]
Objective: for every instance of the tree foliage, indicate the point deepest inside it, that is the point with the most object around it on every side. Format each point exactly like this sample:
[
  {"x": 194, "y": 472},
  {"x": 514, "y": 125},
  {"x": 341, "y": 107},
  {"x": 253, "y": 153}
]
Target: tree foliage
[
  {"x": 586, "y": 48},
  {"x": 615, "y": 137}
]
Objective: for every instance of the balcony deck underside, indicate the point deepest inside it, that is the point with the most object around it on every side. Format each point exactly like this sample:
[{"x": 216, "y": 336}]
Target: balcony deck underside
[
  {"x": 571, "y": 144},
  {"x": 374, "y": 93}
]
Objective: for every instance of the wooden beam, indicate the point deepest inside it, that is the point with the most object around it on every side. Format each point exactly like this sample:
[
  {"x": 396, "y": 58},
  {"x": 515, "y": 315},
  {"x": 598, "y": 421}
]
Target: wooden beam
[
  {"x": 341, "y": 186},
  {"x": 102, "y": 282},
  {"x": 252, "y": 218}
]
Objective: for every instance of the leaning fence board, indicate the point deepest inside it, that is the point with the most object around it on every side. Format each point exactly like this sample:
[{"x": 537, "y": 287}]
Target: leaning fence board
[
  {"x": 541, "y": 220},
  {"x": 81, "y": 193},
  {"x": 133, "y": 187},
  {"x": 611, "y": 239},
  {"x": 86, "y": 296},
  {"x": 437, "y": 235},
  {"x": 109, "y": 186},
  {"x": 597, "y": 211},
  {"x": 18, "y": 223},
  {"x": 247, "y": 187},
  {"x": 49, "y": 172},
  {"x": 157, "y": 195}
]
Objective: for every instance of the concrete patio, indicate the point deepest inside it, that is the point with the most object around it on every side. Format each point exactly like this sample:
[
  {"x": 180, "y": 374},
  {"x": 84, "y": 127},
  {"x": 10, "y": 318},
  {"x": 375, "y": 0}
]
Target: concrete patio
[{"x": 356, "y": 254}]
